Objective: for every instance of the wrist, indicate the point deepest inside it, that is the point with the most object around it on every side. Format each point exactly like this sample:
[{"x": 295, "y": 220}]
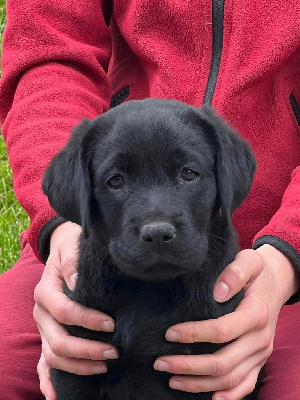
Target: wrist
[
  {"x": 282, "y": 269},
  {"x": 43, "y": 241},
  {"x": 62, "y": 231}
]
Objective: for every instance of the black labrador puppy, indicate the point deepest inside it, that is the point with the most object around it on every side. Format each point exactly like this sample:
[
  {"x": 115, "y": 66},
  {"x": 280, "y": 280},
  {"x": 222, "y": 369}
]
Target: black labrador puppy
[{"x": 153, "y": 183}]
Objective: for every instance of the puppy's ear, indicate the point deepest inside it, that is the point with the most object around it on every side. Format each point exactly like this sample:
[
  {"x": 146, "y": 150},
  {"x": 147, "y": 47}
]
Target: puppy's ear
[
  {"x": 67, "y": 180},
  {"x": 235, "y": 162}
]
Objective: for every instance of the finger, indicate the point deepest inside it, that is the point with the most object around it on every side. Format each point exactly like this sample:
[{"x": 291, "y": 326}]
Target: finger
[
  {"x": 247, "y": 265},
  {"x": 69, "y": 272},
  {"x": 45, "y": 381},
  {"x": 71, "y": 280},
  {"x": 63, "y": 257},
  {"x": 68, "y": 262},
  {"x": 63, "y": 344},
  {"x": 71, "y": 365},
  {"x": 197, "y": 384},
  {"x": 240, "y": 391},
  {"x": 49, "y": 296},
  {"x": 223, "y": 361},
  {"x": 224, "y": 329}
]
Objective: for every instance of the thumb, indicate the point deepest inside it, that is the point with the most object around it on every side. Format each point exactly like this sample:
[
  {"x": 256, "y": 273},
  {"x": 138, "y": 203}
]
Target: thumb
[
  {"x": 246, "y": 266},
  {"x": 64, "y": 242},
  {"x": 69, "y": 261}
]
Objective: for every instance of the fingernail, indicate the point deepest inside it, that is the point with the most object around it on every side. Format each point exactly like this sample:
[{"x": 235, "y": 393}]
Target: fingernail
[
  {"x": 73, "y": 280},
  {"x": 110, "y": 354},
  {"x": 172, "y": 336},
  {"x": 161, "y": 366},
  {"x": 177, "y": 385},
  {"x": 108, "y": 326},
  {"x": 221, "y": 291},
  {"x": 98, "y": 369},
  {"x": 220, "y": 398}
]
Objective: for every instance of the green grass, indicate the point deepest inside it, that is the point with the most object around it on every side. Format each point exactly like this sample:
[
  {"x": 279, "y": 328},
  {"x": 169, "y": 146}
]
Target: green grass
[
  {"x": 13, "y": 219},
  {"x": 2, "y": 20}
]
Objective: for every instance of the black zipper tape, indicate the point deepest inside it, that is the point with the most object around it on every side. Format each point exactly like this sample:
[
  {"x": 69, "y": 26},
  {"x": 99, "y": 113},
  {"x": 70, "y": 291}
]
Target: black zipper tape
[
  {"x": 295, "y": 107},
  {"x": 120, "y": 97},
  {"x": 217, "y": 48}
]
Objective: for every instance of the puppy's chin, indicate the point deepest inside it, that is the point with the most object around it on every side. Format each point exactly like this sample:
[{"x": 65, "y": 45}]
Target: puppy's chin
[{"x": 159, "y": 272}]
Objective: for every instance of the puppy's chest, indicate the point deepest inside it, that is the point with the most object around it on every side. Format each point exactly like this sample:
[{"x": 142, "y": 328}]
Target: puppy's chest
[{"x": 143, "y": 316}]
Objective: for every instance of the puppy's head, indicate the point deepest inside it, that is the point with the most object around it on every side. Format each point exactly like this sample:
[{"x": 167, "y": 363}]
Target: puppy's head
[{"x": 149, "y": 179}]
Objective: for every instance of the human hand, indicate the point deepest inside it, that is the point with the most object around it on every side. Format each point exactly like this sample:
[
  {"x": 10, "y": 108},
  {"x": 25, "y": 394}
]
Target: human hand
[
  {"x": 269, "y": 280},
  {"x": 59, "y": 349}
]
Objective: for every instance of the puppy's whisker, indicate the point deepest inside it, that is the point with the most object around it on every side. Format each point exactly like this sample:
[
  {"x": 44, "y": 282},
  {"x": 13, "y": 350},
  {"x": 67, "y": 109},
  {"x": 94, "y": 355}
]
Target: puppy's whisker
[
  {"x": 216, "y": 237},
  {"x": 98, "y": 273},
  {"x": 103, "y": 252}
]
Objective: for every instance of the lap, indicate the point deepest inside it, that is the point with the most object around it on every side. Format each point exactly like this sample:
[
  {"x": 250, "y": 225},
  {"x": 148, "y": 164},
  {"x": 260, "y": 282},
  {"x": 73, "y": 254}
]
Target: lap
[
  {"x": 20, "y": 344},
  {"x": 282, "y": 369}
]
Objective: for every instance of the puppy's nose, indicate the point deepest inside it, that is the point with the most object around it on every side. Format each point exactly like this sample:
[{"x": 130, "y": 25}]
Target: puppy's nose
[{"x": 157, "y": 232}]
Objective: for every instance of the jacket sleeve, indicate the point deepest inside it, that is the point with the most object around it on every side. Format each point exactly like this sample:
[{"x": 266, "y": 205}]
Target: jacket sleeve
[
  {"x": 283, "y": 230},
  {"x": 54, "y": 63}
]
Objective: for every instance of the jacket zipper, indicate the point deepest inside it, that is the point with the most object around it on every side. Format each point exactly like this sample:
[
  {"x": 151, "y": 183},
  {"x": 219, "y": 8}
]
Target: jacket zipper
[
  {"x": 295, "y": 107},
  {"x": 120, "y": 97},
  {"x": 217, "y": 48}
]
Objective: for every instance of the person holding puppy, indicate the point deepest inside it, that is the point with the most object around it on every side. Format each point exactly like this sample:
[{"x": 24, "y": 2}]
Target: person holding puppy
[{"x": 63, "y": 61}]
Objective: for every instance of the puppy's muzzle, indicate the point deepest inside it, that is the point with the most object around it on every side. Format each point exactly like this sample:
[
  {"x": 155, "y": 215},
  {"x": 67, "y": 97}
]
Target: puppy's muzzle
[{"x": 157, "y": 234}]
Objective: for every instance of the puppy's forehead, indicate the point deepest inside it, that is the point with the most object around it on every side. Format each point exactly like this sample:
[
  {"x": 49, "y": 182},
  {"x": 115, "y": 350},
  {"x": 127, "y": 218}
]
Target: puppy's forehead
[{"x": 153, "y": 131}]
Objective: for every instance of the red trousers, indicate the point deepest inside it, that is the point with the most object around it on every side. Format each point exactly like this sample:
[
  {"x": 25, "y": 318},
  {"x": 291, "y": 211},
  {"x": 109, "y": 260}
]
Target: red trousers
[{"x": 20, "y": 344}]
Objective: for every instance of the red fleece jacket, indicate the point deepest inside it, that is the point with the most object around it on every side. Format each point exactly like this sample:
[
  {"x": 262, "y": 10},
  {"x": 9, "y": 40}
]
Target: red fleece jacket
[{"x": 64, "y": 60}]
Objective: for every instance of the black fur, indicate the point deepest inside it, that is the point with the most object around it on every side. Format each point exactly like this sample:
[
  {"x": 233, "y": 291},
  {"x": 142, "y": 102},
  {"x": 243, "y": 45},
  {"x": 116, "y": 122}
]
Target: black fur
[{"x": 153, "y": 246}]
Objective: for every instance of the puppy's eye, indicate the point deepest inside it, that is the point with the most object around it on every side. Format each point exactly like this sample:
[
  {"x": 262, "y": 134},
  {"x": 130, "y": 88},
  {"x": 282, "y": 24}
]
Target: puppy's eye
[
  {"x": 188, "y": 175},
  {"x": 116, "y": 182}
]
